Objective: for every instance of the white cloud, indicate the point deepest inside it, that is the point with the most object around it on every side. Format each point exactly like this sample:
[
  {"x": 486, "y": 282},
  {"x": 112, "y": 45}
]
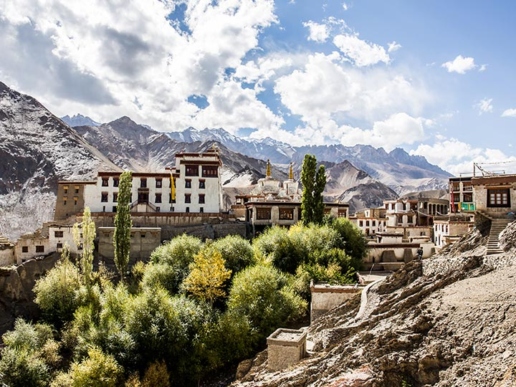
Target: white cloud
[
  {"x": 460, "y": 65},
  {"x": 345, "y": 6},
  {"x": 458, "y": 157},
  {"x": 318, "y": 32},
  {"x": 98, "y": 57},
  {"x": 482, "y": 68},
  {"x": 393, "y": 46},
  {"x": 359, "y": 51},
  {"x": 326, "y": 89},
  {"x": 509, "y": 113},
  {"x": 485, "y": 106},
  {"x": 396, "y": 130}
]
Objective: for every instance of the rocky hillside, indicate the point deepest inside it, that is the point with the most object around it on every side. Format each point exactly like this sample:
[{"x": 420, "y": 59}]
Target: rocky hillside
[
  {"x": 37, "y": 150},
  {"x": 446, "y": 321}
]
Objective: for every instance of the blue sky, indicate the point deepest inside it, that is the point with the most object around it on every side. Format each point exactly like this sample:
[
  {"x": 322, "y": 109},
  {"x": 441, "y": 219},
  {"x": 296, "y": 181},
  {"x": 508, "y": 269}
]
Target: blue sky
[{"x": 433, "y": 77}]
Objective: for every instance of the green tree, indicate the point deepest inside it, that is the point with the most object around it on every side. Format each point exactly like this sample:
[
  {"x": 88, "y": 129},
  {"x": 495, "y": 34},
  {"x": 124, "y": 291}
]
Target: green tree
[
  {"x": 263, "y": 295},
  {"x": 179, "y": 254},
  {"x": 123, "y": 224},
  {"x": 353, "y": 240},
  {"x": 236, "y": 251},
  {"x": 56, "y": 292},
  {"x": 97, "y": 370},
  {"x": 208, "y": 275},
  {"x": 29, "y": 356},
  {"x": 313, "y": 181},
  {"x": 84, "y": 235}
]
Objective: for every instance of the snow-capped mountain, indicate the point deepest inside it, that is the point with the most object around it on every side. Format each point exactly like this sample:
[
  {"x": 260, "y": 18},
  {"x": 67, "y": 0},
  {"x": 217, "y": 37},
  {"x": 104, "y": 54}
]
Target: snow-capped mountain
[
  {"x": 397, "y": 169},
  {"x": 79, "y": 120}
]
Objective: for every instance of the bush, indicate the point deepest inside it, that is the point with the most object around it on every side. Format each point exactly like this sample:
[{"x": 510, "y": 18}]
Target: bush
[
  {"x": 163, "y": 275},
  {"x": 166, "y": 328},
  {"x": 208, "y": 275},
  {"x": 97, "y": 370},
  {"x": 29, "y": 355},
  {"x": 179, "y": 254},
  {"x": 56, "y": 293},
  {"x": 236, "y": 251},
  {"x": 353, "y": 242},
  {"x": 262, "y": 294},
  {"x": 276, "y": 246}
]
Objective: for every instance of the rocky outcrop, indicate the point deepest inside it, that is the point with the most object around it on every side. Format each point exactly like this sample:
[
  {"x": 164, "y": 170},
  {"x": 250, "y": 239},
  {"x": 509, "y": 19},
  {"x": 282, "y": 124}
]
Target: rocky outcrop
[
  {"x": 16, "y": 295},
  {"x": 446, "y": 321}
]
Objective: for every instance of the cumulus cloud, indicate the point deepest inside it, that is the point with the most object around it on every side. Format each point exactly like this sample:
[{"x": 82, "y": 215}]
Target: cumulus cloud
[
  {"x": 326, "y": 89},
  {"x": 509, "y": 113},
  {"x": 345, "y": 7},
  {"x": 457, "y": 157},
  {"x": 317, "y": 32},
  {"x": 460, "y": 65},
  {"x": 485, "y": 106},
  {"x": 99, "y": 57},
  {"x": 359, "y": 51}
]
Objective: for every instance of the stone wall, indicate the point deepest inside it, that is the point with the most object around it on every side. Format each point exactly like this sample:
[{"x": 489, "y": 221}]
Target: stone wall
[
  {"x": 7, "y": 256},
  {"x": 16, "y": 284},
  {"x": 326, "y": 297}
]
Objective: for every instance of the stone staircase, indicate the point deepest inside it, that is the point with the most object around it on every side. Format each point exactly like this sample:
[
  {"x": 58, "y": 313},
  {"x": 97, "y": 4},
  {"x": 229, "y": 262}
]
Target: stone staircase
[{"x": 493, "y": 244}]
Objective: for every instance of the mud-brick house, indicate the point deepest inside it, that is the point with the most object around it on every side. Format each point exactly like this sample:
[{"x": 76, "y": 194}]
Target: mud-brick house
[{"x": 495, "y": 195}]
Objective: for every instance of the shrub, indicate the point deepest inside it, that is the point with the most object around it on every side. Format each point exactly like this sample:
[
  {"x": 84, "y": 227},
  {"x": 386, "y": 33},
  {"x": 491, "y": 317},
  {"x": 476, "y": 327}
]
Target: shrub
[
  {"x": 208, "y": 275},
  {"x": 179, "y": 254},
  {"x": 56, "y": 293},
  {"x": 353, "y": 241},
  {"x": 276, "y": 246},
  {"x": 163, "y": 275},
  {"x": 97, "y": 370},
  {"x": 262, "y": 294},
  {"x": 236, "y": 251},
  {"x": 21, "y": 367}
]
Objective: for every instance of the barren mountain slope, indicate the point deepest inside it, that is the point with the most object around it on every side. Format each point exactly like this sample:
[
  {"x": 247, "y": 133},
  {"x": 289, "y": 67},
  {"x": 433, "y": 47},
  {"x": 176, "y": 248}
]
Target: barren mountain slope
[
  {"x": 446, "y": 321},
  {"x": 36, "y": 150}
]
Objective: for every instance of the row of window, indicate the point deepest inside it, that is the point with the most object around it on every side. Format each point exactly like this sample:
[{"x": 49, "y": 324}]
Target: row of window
[
  {"x": 157, "y": 199},
  {"x": 373, "y": 223},
  {"x": 284, "y": 213},
  {"x": 206, "y": 171},
  {"x": 66, "y": 188}
]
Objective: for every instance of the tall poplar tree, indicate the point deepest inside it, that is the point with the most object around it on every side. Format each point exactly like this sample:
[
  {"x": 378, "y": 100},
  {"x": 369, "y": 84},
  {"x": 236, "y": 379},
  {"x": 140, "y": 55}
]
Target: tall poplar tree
[
  {"x": 123, "y": 223},
  {"x": 313, "y": 180},
  {"x": 84, "y": 236}
]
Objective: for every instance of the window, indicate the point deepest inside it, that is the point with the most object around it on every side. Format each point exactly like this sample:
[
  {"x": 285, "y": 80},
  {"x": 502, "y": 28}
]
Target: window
[
  {"x": 210, "y": 171},
  {"x": 25, "y": 249},
  {"x": 202, "y": 184},
  {"x": 76, "y": 189},
  {"x": 187, "y": 209},
  {"x": 40, "y": 249},
  {"x": 170, "y": 199},
  {"x": 201, "y": 199},
  {"x": 105, "y": 182},
  {"x": 263, "y": 213},
  {"x": 114, "y": 208},
  {"x": 158, "y": 198},
  {"x": 201, "y": 210},
  {"x": 361, "y": 223},
  {"x": 58, "y": 234},
  {"x": 116, "y": 181},
  {"x": 159, "y": 183},
  {"x": 188, "y": 183},
  {"x": 104, "y": 197},
  {"x": 158, "y": 209},
  {"x": 188, "y": 198},
  {"x": 498, "y": 197},
  {"x": 59, "y": 246},
  {"x": 65, "y": 200},
  {"x": 192, "y": 170},
  {"x": 367, "y": 223},
  {"x": 65, "y": 189},
  {"x": 115, "y": 197},
  {"x": 143, "y": 183},
  {"x": 75, "y": 200},
  {"x": 286, "y": 214}
]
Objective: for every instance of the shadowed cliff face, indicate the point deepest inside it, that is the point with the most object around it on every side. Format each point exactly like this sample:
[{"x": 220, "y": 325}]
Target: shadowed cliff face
[{"x": 446, "y": 321}]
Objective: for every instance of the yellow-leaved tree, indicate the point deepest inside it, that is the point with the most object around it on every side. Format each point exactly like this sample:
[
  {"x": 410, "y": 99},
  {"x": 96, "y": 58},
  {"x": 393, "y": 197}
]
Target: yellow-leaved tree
[{"x": 208, "y": 275}]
